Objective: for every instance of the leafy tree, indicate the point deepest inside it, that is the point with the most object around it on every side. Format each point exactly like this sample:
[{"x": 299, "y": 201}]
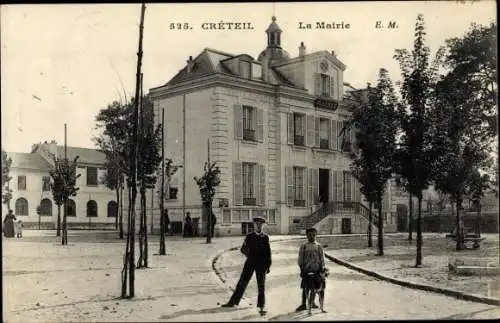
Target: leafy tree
[
  {"x": 476, "y": 187},
  {"x": 376, "y": 125},
  {"x": 6, "y": 191},
  {"x": 63, "y": 186},
  {"x": 57, "y": 187},
  {"x": 208, "y": 183},
  {"x": 114, "y": 122},
  {"x": 169, "y": 171},
  {"x": 414, "y": 155},
  {"x": 464, "y": 114}
]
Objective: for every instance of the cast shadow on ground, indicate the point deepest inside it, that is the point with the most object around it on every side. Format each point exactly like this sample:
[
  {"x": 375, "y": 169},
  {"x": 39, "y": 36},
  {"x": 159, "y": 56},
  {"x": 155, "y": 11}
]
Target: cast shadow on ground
[
  {"x": 468, "y": 315},
  {"x": 292, "y": 316},
  {"x": 217, "y": 309}
]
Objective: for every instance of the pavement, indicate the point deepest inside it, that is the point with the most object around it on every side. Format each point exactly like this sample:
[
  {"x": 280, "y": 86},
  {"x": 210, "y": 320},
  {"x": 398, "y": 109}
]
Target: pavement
[{"x": 44, "y": 281}]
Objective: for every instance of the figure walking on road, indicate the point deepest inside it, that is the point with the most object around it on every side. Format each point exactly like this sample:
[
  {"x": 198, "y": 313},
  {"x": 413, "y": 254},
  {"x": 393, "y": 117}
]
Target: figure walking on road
[{"x": 257, "y": 249}]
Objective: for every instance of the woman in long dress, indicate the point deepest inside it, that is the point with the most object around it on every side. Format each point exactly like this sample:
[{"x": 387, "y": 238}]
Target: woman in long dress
[{"x": 8, "y": 225}]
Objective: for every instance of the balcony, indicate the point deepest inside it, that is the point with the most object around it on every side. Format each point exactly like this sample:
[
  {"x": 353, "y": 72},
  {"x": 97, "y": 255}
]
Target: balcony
[
  {"x": 324, "y": 144},
  {"x": 299, "y": 202},
  {"x": 249, "y": 134},
  {"x": 249, "y": 201},
  {"x": 298, "y": 140}
]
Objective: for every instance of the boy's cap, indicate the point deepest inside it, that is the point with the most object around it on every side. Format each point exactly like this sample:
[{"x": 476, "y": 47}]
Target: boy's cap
[
  {"x": 259, "y": 219},
  {"x": 312, "y": 230}
]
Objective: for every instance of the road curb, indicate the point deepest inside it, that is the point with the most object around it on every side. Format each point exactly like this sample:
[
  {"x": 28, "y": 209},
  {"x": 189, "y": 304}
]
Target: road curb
[{"x": 404, "y": 283}]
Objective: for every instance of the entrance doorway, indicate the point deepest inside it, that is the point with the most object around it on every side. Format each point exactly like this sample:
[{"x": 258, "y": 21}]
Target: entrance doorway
[
  {"x": 402, "y": 217},
  {"x": 346, "y": 226},
  {"x": 323, "y": 185}
]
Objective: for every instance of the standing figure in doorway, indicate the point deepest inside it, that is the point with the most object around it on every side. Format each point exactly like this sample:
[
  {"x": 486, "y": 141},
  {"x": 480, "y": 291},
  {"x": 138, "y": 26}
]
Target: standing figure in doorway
[
  {"x": 188, "y": 226},
  {"x": 257, "y": 249}
]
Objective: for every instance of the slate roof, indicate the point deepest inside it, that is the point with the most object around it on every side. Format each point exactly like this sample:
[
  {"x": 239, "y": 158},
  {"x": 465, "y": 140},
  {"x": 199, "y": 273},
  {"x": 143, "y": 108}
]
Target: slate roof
[
  {"x": 211, "y": 61},
  {"x": 29, "y": 160},
  {"x": 87, "y": 155}
]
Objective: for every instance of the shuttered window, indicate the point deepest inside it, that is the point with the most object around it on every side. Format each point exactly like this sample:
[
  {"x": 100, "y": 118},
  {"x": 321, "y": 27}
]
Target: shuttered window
[
  {"x": 262, "y": 185},
  {"x": 91, "y": 176},
  {"x": 299, "y": 184},
  {"x": 311, "y": 131},
  {"x": 46, "y": 183},
  {"x": 249, "y": 196},
  {"x": 289, "y": 188},
  {"x": 21, "y": 182},
  {"x": 333, "y": 130},
  {"x": 237, "y": 184},
  {"x": 324, "y": 133},
  {"x": 299, "y": 125},
  {"x": 347, "y": 186},
  {"x": 249, "y": 123}
]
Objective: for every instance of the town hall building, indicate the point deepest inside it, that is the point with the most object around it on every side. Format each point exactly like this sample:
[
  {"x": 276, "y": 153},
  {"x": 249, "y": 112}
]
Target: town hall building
[{"x": 273, "y": 125}]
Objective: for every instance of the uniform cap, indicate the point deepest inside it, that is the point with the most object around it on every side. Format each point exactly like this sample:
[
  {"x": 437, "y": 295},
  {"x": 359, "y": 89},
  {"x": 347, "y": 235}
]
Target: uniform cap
[{"x": 259, "y": 219}]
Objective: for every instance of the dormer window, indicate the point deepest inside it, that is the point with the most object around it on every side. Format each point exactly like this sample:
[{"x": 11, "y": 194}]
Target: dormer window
[
  {"x": 245, "y": 69},
  {"x": 324, "y": 85}
]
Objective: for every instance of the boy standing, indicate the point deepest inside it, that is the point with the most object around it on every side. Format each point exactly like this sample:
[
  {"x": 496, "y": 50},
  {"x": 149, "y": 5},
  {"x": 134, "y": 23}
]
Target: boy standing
[
  {"x": 19, "y": 229},
  {"x": 311, "y": 259}
]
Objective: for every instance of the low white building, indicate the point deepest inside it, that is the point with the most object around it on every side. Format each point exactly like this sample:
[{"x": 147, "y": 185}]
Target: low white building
[{"x": 94, "y": 206}]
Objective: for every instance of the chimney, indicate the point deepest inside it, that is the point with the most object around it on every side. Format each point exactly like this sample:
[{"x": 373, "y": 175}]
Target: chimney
[
  {"x": 190, "y": 64},
  {"x": 302, "y": 49},
  {"x": 333, "y": 53}
]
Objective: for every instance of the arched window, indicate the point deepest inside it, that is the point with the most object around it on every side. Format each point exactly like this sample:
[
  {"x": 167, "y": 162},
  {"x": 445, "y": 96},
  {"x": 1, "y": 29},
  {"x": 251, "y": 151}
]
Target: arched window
[
  {"x": 91, "y": 208},
  {"x": 21, "y": 206},
  {"x": 71, "y": 208},
  {"x": 112, "y": 209},
  {"x": 46, "y": 207}
]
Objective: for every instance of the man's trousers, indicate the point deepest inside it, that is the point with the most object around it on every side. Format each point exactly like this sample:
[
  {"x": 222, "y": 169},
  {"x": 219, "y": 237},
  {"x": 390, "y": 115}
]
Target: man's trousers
[{"x": 246, "y": 274}]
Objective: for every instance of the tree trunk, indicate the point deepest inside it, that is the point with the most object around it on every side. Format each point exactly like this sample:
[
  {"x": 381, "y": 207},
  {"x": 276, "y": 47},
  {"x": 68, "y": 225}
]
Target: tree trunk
[
  {"x": 419, "y": 234},
  {"x": 380, "y": 223},
  {"x": 410, "y": 218},
  {"x": 459, "y": 234},
  {"x": 117, "y": 203},
  {"x": 121, "y": 211},
  {"x": 209, "y": 223},
  {"x": 64, "y": 240},
  {"x": 370, "y": 220},
  {"x": 127, "y": 247},
  {"x": 145, "y": 253},
  {"x": 478, "y": 225},
  {"x": 58, "y": 232}
]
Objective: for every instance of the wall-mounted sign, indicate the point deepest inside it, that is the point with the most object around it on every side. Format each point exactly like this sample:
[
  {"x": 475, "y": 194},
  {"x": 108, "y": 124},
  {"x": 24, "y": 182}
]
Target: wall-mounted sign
[{"x": 326, "y": 104}]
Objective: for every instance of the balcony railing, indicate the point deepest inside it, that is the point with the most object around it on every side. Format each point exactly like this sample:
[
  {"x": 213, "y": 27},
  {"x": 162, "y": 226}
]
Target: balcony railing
[
  {"x": 249, "y": 134},
  {"x": 298, "y": 140},
  {"x": 324, "y": 144},
  {"x": 249, "y": 201},
  {"x": 299, "y": 203}
]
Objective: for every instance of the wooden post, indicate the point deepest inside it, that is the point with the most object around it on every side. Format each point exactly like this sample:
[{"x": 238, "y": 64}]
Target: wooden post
[{"x": 162, "y": 189}]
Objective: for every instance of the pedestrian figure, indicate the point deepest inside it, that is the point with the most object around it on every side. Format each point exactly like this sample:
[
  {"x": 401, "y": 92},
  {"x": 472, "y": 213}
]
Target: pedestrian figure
[
  {"x": 166, "y": 221},
  {"x": 257, "y": 249},
  {"x": 311, "y": 260},
  {"x": 8, "y": 225},
  {"x": 188, "y": 226},
  {"x": 19, "y": 228}
]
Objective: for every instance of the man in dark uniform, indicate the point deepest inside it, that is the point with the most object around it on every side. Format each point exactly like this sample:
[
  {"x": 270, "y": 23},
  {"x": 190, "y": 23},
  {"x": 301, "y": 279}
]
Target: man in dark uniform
[{"x": 257, "y": 249}]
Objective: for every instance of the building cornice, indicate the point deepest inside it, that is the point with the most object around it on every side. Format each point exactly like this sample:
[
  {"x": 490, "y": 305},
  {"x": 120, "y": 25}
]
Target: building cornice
[{"x": 230, "y": 81}]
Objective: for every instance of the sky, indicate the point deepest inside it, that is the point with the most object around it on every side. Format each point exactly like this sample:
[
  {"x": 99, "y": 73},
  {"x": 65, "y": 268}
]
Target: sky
[{"x": 63, "y": 63}]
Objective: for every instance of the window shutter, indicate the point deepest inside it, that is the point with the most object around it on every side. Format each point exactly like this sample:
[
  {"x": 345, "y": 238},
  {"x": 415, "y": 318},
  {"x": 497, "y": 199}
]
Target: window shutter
[
  {"x": 334, "y": 185},
  {"x": 260, "y": 125},
  {"x": 304, "y": 183},
  {"x": 331, "y": 191},
  {"x": 340, "y": 134},
  {"x": 316, "y": 133},
  {"x": 262, "y": 185},
  {"x": 317, "y": 83},
  {"x": 290, "y": 129},
  {"x": 332, "y": 86},
  {"x": 238, "y": 121},
  {"x": 315, "y": 186},
  {"x": 310, "y": 130},
  {"x": 333, "y": 140},
  {"x": 357, "y": 193},
  {"x": 289, "y": 185},
  {"x": 340, "y": 186},
  {"x": 310, "y": 199},
  {"x": 237, "y": 183}
]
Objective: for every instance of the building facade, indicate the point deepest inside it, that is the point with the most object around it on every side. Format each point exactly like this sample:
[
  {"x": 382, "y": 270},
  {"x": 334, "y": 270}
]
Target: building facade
[
  {"x": 273, "y": 125},
  {"x": 94, "y": 206}
]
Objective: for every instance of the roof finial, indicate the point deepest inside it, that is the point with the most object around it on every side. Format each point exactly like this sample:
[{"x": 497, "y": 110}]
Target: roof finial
[{"x": 273, "y": 18}]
